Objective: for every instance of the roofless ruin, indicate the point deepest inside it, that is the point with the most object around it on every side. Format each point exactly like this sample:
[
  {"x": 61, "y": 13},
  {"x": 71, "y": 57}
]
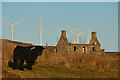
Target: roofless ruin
[{"x": 94, "y": 47}]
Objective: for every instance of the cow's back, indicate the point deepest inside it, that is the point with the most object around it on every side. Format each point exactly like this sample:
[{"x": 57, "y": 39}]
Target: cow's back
[{"x": 19, "y": 52}]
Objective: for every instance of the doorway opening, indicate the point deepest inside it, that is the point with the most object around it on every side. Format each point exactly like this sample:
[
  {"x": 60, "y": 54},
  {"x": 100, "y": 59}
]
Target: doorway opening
[
  {"x": 74, "y": 48},
  {"x": 84, "y": 50},
  {"x": 93, "y": 48}
]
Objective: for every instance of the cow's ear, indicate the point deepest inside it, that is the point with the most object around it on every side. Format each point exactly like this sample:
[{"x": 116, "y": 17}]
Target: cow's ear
[{"x": 32, "y": 48}]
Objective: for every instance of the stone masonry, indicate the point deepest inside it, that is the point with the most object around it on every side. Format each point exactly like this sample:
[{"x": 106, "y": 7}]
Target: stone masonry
[{"x": 93, "y": 47}]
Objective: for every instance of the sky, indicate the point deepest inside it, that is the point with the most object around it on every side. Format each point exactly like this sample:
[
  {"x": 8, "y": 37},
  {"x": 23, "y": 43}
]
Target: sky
[
  {"x": 60, "y": 0},
  {"x": 102, "y": 16}
]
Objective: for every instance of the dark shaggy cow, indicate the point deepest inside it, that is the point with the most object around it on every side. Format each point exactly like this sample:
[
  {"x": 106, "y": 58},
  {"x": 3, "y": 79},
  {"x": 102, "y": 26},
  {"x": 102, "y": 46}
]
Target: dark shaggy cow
[{"x": 28, "y": 54}]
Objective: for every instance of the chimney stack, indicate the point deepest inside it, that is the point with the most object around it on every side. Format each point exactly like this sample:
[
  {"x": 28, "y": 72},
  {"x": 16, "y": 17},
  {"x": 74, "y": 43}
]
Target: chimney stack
[
  {"x": 64, "y": 33},
  {"x": 94, "y": 35}
]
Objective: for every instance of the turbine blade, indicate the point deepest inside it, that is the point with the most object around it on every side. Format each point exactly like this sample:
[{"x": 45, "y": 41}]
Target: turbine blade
[
  {"x": 81, "y": 33},
  {"x": 70, "y": 28},
  {"x": 84, "y": 34},
  {"x": 73, "y": 33},
  {"x": 90, "y": 29},
  {"x": 36, "y": 30},
  {"x": 38, "y": 25},
  {"x": 45, "y": 30},
  {"x": 17, "y": 22},
  {"x": 6, "y": 22},
  {"x": 78, "y": 28}
]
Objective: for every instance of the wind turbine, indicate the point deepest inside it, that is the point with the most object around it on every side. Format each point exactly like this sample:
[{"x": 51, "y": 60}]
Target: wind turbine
[
  {"x": 78, "y": 35},
  {"x": 12, "y": 26},
  {"x": 87, "y": 35},
  {"x": 41, "y": 32},
  {"x": 80, "y": 40},
  {"x": 74, "y": 31}
]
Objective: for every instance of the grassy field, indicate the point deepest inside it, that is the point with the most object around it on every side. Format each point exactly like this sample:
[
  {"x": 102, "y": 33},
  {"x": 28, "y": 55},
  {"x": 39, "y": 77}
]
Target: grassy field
[
  {"x": 41, "y": 70},
  {"x": 51, "y": 65}
]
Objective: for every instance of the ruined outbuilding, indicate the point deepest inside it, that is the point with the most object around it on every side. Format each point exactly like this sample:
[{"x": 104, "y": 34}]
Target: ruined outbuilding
[{"x": 94, "y": 47}]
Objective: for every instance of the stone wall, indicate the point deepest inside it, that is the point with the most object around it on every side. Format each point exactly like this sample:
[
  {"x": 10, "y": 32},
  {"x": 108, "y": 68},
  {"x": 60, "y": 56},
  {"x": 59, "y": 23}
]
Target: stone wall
[
  {"x": 78, "y": 48},
  {"x": 64, "y": 46}
]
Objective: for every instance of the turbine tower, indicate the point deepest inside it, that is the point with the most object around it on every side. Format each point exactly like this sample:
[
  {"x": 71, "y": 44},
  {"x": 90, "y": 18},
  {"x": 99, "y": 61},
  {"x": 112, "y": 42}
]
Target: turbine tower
[
  {"x": 80, "y": 40},
  {"x": 74, "y": 31},
  {"x": 41, "y": 32},
  {"x": 78, "y": 35},
  {"x": 88, "y": 35},
  {"x": 12, "y": 26}
]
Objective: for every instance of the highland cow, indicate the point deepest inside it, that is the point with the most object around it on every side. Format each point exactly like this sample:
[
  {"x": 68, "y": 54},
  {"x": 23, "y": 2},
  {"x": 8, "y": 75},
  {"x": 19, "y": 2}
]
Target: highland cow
[{"x": 28, "y": 54}]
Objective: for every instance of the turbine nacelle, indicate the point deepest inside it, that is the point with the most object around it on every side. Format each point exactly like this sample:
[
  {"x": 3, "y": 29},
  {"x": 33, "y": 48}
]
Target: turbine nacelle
[
  {"x": 12, "y": 26},
  {"x": 74, "y": 30},
  {"x": 41, "y": 29},
  {"x": 78, "y": 35}
]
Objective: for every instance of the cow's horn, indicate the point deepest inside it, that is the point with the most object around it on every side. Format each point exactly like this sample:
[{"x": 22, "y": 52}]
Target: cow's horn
[
  {"x": 32, "y": 48},
  {"x": 44, "y": 47}
]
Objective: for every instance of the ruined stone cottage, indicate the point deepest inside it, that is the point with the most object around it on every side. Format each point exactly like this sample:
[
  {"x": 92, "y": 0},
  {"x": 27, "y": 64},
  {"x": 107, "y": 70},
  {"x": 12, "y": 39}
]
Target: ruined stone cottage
[{"x": 94, "y": 47}]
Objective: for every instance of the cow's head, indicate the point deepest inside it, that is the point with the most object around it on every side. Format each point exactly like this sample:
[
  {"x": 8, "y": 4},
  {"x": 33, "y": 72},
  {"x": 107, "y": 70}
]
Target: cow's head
[
  {"x": 35, "y": 52},
  {"x": 37, "y": 49}
]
